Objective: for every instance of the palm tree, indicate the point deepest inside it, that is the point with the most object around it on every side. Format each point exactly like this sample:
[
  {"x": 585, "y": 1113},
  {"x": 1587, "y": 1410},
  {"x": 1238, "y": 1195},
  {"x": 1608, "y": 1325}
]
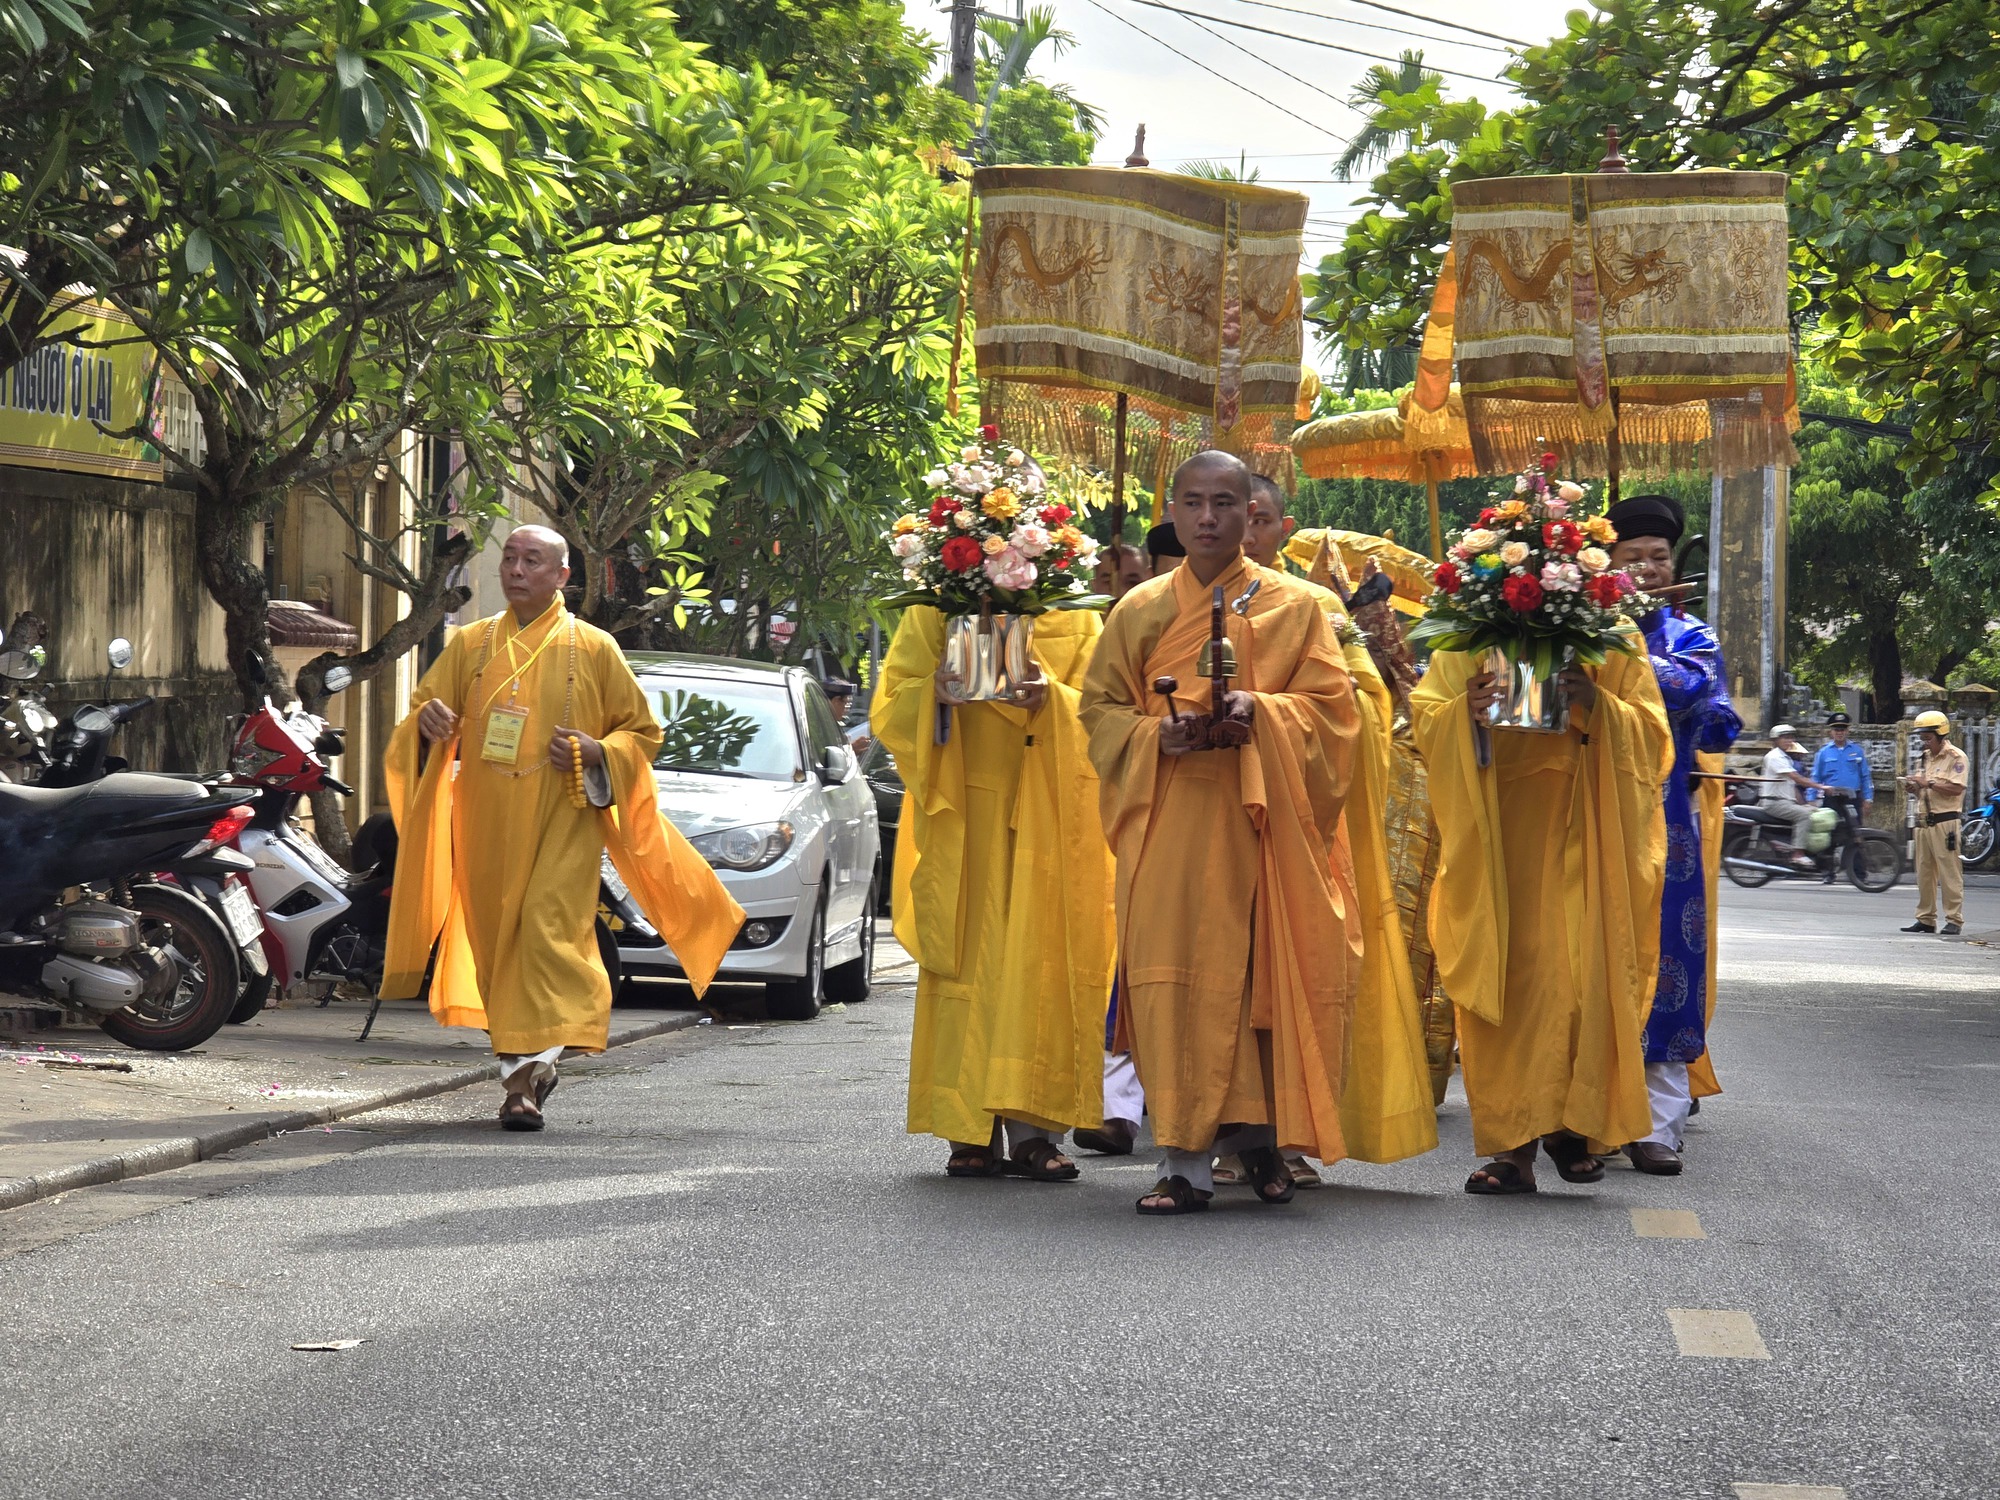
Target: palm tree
[
  {"x": 1009, "y": 46},
  {"x": 1221, "y": 171},
  {"x": 1375, "y": 142}
]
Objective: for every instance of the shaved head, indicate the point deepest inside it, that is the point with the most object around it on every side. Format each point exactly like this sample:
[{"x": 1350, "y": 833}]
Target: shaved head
[
  {"x": 1211, "y": 504},
  {"x": 546, "y": 537},
  {"x": 534, "y": 565},
  {"x": 1226, "y": 466}
]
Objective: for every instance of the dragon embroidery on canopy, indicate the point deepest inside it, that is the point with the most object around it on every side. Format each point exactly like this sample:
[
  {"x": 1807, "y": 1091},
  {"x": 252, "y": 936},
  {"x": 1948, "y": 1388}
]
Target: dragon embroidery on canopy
[
  {"x": 1636, "y": 273},
  {"x": 1072, "y": 261},
  {"x": 1622, "y": 274}
]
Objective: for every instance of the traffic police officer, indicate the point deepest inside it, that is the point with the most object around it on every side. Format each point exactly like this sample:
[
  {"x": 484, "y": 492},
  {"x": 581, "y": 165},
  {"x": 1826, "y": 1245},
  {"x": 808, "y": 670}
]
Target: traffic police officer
[
  {"x": 1844, "y": 765},
  {"x": 1939, "y": 782}
]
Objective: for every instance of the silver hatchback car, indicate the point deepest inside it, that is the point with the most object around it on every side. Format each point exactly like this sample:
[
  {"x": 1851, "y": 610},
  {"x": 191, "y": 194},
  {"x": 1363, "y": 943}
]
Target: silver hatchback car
[{"x": 756, "y": 773}]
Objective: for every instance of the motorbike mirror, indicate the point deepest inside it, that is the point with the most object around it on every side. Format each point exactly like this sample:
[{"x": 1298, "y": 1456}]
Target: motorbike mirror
[
  {"x": 337, "y": 680},
  {"x": 119, "y": 654},
  {"x": 21, "y": 666},
  {"x": 253, "y": 666}
]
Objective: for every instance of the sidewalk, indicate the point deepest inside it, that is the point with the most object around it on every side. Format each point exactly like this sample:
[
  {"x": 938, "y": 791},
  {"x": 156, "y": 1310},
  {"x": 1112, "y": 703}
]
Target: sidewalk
[{"x": 76, "y": 1108}]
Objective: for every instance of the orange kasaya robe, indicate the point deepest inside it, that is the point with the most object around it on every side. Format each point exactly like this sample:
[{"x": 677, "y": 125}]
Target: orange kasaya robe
[
  {"x": 1236, "y": 968},
  {"x": 1545, "y": 917},
  {"x": 1708, "y": 803},
  {"x": 499, "y": 868}
]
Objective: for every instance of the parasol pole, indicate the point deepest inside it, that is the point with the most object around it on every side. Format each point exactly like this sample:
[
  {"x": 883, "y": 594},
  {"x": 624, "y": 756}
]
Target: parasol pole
[
  {"x": 1431, "y": 501},
  {"x": 1614, "y": 449},
  {"x": 1136, "y": 159}
]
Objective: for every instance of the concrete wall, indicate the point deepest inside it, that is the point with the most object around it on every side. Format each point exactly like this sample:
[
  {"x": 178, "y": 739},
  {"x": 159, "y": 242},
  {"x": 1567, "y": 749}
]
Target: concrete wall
[
  {"x": 98, "y": 558},
  {"x": 1748, "y": 527}
]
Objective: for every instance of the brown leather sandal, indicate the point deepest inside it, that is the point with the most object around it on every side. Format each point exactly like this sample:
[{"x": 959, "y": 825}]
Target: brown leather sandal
[{"x": 519, "y": 1112}]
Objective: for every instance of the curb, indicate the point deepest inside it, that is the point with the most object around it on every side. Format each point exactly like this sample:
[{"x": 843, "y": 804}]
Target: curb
[{"x": 185, "y": 1151}]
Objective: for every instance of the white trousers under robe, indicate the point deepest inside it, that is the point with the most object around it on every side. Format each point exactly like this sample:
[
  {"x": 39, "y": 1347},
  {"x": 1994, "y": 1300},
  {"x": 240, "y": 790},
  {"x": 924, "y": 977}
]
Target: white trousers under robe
[{"x": 1667, "y": 1088}]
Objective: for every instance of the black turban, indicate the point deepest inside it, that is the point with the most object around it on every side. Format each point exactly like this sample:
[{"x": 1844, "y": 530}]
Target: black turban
[
  {"x": 1648, "y": 515},
  {"x": 1164, "y": 541}
]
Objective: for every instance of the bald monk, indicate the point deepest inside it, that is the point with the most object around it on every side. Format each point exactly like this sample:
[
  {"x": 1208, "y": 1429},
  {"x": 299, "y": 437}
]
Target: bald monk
[
  {"x": 530, "y": 753},
  {"x": 1233, "y": 948},
  {"x": 1386, "y": 1108},
  {"x": 1545, "y": 917}
]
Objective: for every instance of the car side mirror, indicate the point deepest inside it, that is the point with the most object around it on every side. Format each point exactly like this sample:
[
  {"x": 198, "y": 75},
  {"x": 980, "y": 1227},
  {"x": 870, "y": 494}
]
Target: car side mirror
[{"x": 835, "y": 763}]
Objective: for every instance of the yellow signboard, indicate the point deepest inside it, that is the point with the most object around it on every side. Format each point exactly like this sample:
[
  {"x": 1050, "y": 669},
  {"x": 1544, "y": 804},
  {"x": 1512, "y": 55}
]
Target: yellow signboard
[{"x": 56, "y": 404}]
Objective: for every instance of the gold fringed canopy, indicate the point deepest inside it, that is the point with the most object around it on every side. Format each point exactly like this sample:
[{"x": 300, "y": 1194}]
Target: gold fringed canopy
[
  {"x": 1385, "y": 444},
  {"x": 1409, "y": 572},
  {"x": 1649, "y": 306},
  {"x": 1177, "y": 292}
]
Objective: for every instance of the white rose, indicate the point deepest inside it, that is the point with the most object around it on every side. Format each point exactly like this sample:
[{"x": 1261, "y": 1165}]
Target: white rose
[
  {"x": 1594, "y": 559},
  {"x": 1520, "y": 484},
  {"x": 1569, "y": 491},
  {"x": 907, "y": 547},
  {"x": 1514, "y": 554},
  {"x": 935, "y": 479},
  {"x": 1030, "y": 540},
  {"x": 1015, "y": 458},
  {"x": 965, "y": 520},
  {"x": 1480, "y": 540},
  {"x": 968, "y": 455}
]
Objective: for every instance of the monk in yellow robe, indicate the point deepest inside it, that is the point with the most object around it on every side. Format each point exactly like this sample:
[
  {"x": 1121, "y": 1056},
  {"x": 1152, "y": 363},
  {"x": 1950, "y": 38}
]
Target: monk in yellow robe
[
  {"x": 1545, "y": 917},
  {"x": 1234, "y": 954},
  {"x": 1002, "y": 895},
  {"x": 1386, "y": 1110},
  {"x": 528, "y": 754}
]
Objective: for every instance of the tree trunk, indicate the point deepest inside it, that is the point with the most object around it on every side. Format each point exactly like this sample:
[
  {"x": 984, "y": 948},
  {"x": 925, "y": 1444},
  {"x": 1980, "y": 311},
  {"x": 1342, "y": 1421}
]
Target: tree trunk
[
  {"x": 1885, "y": 672},
  {"x": 222, "y": 523}
]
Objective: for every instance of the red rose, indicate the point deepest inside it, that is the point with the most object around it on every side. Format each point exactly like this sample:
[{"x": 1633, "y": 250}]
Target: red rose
[
  {"x": 1522, "y": 593},
  {"x": 961, "y": 554},
  {"x": 1562, "y": 536},
  {"x": 942, "y": 508},
  {"x": 1603, "y": 590},
  {"x": 1488, "y": 516},
  {"x": 989, "y": 433},
  {"x": 1549, "y": 463},
  {"x": 1446, "y": 577},
  {"x": 1055, "y": 515}
]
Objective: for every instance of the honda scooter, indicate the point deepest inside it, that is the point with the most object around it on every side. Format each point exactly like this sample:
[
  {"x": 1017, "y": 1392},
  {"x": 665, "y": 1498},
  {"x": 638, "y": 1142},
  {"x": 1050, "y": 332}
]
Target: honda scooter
[
  {"x": 1977, "y": 829},
  {"x": 1752, "y": 854}
]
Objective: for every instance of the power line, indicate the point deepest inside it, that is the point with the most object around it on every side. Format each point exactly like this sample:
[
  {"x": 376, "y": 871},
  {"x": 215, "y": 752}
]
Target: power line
[
  {"x": 1188, "y": 15},
  {"x": 1425, "y": 36},
  {"x": 1512, "y": 41},
  {"x": 1307, "y": 40},
  {"x": 1214, "y": 73}
]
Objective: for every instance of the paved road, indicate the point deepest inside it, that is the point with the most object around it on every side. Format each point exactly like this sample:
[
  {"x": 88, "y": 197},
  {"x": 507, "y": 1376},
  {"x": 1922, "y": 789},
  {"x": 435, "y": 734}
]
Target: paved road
[{"x": 727, "y": 1273}]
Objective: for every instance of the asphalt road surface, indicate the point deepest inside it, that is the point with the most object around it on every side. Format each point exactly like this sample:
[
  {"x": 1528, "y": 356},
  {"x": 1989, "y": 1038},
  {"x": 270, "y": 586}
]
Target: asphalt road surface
[{"x": 724, "y": 1271}]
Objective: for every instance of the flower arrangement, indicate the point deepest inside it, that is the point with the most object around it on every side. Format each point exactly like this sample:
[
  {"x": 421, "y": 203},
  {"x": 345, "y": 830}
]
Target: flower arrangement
[
  {"x": 993, "y": 539},
  {"x": 1533, "y": 580}
]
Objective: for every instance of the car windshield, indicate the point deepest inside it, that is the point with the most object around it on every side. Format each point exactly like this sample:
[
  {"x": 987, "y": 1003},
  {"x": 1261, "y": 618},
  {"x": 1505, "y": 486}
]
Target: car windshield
[{"x": 725, "y": 728}]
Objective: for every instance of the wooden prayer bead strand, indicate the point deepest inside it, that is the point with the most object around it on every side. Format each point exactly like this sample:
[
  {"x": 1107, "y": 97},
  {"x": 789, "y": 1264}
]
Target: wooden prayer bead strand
[{"x": 578, "y": 796}]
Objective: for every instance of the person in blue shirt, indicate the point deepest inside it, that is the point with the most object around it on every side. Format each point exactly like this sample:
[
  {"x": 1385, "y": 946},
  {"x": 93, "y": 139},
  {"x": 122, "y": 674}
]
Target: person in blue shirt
[
  {"x": 1841, "y": 764},
  {"x": 1687, "y": 661}
]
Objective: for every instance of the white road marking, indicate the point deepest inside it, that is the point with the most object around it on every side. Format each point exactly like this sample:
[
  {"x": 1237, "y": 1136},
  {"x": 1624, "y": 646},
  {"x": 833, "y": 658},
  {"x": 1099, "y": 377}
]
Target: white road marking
[
  {"x": 1667, "y": 1224},
  {"x": 1745, "y": 1491},
  {"x": 1715, "y": 1333}
]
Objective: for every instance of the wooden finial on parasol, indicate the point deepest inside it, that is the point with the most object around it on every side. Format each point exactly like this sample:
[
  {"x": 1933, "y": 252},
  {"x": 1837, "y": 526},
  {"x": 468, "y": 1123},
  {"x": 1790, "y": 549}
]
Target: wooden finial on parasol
[
  {"x": 1138, "y": 156},
  {"x": 1612, "y": 162}
]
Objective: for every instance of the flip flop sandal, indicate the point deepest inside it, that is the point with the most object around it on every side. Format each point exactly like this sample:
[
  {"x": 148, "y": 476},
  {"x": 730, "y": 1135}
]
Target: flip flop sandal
[
  {"x": 976, "y": 1161},
  {"x": 1304, "y": 1174},
  {"x": 1500, "y": 1179},
  {"x": 1264, "y": 1168},
  {"x": 1182, "y": 1198},
  {"x": 1037, "y": 1161},
  {"x": 1228, "y": 1172},
  {"x": 518, "y": 1112},
  {"x": 1567, "y": 1151}
]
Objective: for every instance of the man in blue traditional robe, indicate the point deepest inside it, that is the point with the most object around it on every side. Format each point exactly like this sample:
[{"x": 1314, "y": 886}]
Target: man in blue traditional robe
[{"x": 1688, "y": 664}]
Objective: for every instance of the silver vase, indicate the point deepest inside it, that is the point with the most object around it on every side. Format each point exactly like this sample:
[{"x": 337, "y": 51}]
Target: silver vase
[
  {"x": 990, "y": 655},
  {"x": 1526, "y": 701}
]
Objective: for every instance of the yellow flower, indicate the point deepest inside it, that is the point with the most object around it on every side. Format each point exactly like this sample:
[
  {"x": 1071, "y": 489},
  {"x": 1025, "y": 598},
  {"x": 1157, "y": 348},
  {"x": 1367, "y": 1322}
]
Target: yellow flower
[
  {"x": 994, "y": 545},
  {"x": 1001, "y": 504},
  {"x": 1600, "y": 529},
  {"x": 1070, "y": 539},
  {"x": 905, "y": 525},
  {"x": 1511, "y": 509}
]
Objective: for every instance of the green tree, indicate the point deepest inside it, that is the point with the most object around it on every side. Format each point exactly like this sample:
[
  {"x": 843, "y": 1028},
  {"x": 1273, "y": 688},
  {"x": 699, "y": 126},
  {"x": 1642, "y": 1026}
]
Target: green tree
[
  {"x": 1396, "y": 105},
  {"x": 1025, "y": 119}
]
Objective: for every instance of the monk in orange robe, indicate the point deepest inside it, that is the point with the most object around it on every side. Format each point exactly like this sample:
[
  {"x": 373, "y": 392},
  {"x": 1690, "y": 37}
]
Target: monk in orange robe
[
  {"x": 1235, "y": 965},
  {"x": 529, "y": 754}
]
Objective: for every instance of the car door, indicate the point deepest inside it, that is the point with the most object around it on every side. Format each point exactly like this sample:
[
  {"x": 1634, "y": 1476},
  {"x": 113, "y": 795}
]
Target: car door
[{"x": 849, "y": 859}]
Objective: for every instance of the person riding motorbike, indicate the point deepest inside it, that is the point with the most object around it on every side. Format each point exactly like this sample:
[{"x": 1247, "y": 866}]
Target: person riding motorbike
[{"x": 1782, "y": 785}]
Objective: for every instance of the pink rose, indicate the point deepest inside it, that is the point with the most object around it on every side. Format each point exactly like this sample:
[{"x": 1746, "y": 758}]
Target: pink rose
[{"x": 1010, "y": 570}]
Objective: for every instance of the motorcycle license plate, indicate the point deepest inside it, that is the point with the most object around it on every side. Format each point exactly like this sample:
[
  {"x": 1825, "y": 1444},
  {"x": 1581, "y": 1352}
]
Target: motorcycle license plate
[{"x": 244, "y": 923}]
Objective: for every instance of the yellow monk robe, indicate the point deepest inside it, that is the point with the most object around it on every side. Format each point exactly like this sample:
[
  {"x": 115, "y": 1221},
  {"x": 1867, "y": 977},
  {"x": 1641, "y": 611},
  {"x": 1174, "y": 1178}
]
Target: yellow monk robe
[
  {"x": 1386, "y": 1109},
  {"x": 1546, "y": 912},
  {"x": 1002, "y": 890},
  {"x": 504, "y": 867},
  {"x": 1233, "y": 939},
  {"x": 1708, "y": 805}
]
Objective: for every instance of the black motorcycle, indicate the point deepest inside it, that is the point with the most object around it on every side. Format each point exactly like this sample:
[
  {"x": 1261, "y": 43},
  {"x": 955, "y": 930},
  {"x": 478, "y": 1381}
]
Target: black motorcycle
[{"x": 1753, "y": 852}]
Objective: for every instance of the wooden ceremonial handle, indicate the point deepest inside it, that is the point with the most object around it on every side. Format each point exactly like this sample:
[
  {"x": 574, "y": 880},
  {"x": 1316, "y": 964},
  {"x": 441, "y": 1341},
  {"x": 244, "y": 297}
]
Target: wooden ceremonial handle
[
  {"x": 1166, "y": 687},
  {"x": 1217, "y": 634}
]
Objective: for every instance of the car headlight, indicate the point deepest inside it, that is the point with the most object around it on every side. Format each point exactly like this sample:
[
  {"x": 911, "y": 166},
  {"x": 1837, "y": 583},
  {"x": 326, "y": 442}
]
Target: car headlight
[{"x": 751, "y": 847}]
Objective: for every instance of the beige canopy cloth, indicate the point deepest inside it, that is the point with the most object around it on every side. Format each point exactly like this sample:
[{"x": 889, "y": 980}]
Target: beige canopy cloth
[
  {"x": 1570, "y": 301},
  {"x": 1179, "y": 293}
]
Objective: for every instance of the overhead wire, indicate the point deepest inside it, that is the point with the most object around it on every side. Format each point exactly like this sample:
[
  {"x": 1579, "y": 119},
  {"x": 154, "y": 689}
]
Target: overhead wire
[
  {"x": 1344, "y": 104},
  {"x": 1424, "y": 36},
  {"x": 1217, "y": 73},
  {"x": 1306, "y": 40},
  {"x": 1512, "y": 41}
]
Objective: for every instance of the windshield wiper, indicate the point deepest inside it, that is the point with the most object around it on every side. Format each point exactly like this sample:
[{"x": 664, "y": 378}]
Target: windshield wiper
[{"x": 710, "y": 771}]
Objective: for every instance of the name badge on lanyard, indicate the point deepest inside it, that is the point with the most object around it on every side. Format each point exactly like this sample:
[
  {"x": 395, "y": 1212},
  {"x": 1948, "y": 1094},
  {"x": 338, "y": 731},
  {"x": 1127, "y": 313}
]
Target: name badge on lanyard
[{"x": 504, "y": 730}]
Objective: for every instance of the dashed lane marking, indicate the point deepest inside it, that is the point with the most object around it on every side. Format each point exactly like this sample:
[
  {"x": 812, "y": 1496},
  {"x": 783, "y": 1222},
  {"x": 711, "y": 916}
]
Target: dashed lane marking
[
  {"x": 1716, "y": 1333},
  {"x": 1746, "y": 1491},
  {"x": 1667, "y": 1224}
]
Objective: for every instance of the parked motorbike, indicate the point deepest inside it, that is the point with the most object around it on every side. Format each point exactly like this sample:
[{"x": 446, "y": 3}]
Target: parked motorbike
[
  {"x": 83, "y": 929},
  {"x": 1977, "y": 831},
  {"x": 1752, "y": 852}
]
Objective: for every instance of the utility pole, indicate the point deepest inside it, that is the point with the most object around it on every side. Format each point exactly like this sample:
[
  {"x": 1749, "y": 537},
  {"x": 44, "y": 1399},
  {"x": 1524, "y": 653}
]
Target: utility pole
[{"x": 964, "y": 37}]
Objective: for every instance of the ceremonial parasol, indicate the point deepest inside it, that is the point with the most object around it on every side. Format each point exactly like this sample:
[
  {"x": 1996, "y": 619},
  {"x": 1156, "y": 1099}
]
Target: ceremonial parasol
[
  {"x": 1579, "y": 308},
  {"x": 1380, "y": 445},
  {"x": 1409, "y": 572},
  {"x": 1160, "y": 306}
]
